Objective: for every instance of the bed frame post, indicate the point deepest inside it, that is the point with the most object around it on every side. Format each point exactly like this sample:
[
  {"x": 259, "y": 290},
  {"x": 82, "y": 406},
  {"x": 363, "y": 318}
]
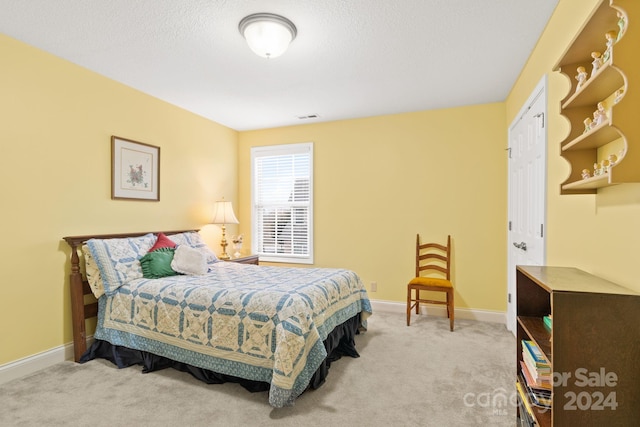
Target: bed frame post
[
  {"x": 79, "y": 287},
  {"x": 77, "y": 306}
]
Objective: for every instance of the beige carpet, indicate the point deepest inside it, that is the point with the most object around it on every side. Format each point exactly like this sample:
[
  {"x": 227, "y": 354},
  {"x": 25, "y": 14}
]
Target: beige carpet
[{"x": 422, "y": 375}]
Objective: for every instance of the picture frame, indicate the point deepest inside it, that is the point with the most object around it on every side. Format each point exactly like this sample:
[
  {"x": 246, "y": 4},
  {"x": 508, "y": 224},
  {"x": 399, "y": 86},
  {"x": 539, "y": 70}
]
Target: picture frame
[{"x": 135, "y": 170}]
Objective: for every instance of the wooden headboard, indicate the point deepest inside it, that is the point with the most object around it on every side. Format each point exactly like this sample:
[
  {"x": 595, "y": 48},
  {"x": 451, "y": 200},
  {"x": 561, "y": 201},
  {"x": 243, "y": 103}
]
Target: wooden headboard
[{"x": 79, "y": 287}]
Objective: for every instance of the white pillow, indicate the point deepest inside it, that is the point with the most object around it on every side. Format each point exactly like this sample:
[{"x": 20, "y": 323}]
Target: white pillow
[
  {"x": 193, "y": 239},
  {"x": 93, "y": 273},
  {"x": 188, "y": 260}
]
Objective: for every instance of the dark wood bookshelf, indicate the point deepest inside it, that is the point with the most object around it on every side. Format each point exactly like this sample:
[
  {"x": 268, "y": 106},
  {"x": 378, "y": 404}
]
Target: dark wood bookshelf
[{"x": 595, "y": 335}]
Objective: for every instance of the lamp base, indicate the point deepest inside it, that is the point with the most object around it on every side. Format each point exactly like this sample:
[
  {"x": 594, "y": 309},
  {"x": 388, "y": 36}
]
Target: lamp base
[{"x": 224, "y": 255}]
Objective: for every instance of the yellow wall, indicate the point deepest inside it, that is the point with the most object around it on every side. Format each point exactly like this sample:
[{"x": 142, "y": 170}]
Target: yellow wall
[
  {"x": 597, "y": 233},
  {"x": 55, "y": 169},
  {"x": 378, "y": 181}
]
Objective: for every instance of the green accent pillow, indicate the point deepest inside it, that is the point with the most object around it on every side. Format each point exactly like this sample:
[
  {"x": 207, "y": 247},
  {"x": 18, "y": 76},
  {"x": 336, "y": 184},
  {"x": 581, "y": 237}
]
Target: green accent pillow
[{"x": 157, "y": 264}]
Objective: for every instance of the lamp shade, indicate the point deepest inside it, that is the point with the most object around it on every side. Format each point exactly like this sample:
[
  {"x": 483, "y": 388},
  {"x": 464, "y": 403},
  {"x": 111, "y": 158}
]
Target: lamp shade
[
  {"x": 223, "y": 213},
  {"x": 267, "y": 35}
]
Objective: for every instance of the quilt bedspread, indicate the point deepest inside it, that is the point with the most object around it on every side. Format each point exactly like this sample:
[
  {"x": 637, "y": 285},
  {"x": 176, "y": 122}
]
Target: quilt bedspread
[{"x": 256, "y": 322}]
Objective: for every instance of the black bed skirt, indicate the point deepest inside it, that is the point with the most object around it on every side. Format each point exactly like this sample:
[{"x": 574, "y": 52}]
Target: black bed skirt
[{"x": 340, "y": 342}]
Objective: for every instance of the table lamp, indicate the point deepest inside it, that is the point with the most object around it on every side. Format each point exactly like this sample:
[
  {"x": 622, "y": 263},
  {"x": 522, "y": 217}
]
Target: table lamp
[{"x": 223, "y": 215}]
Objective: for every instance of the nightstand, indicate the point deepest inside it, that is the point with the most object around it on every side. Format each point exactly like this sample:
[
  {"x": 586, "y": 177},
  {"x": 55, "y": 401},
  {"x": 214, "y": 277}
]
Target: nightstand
[{"x": 249, "y": 259}]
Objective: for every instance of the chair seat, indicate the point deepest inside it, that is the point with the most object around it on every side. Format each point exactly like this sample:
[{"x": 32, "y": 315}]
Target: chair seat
[{"x": 431, "y": 281}]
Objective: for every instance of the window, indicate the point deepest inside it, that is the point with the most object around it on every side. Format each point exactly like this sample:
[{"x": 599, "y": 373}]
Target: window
[{"x": 282, "y": 188}]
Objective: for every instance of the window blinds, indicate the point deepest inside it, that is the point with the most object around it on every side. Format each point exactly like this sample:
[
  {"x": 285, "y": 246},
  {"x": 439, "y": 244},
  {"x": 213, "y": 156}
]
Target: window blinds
[{"x": 282, "y": 207}]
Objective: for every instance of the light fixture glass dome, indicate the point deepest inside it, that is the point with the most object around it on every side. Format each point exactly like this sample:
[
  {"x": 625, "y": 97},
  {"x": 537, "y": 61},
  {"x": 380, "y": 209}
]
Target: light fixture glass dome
[{"x": 267, "y": 35}]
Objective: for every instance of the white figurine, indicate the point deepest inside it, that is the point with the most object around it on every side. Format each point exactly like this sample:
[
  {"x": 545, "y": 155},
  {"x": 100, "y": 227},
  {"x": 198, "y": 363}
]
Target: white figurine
[
  {"x": 596, "y": 169},
  {"x": 587, "y": 124},
  {"x": 585, "y": 174},
  {"x": 618, "y": 96},
  {"x": 600, "y": 115},
  {"x": 610, "y": 36},
  {"x": 581, "y": 77},
  {"x": 597, "y": 62},
  {"x": 622, "y": 25}
]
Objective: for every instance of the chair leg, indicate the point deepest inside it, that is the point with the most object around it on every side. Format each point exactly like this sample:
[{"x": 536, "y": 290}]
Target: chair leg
[
  {"x": 417, "y": 301},
  {"x": 450, "y": 308},
  {"x": 408, "y": 306}
]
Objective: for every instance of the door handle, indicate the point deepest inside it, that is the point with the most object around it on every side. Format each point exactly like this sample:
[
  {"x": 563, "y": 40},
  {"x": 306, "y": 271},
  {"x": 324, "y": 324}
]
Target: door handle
[{"x": 521, "y": 245}]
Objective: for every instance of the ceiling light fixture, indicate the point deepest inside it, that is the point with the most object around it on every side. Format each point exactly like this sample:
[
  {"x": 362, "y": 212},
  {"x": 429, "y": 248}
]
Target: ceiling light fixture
[{"x": 268, "y": 35}]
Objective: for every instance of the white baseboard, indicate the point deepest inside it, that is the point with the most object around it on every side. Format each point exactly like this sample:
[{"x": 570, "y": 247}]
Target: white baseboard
[
  {"x": 36, "y": 362},
  {"x": 438, "y": 310}
]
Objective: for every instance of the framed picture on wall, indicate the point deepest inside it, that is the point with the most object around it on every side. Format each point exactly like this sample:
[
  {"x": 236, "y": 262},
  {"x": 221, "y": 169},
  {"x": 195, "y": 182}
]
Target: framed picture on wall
[{"x": 135, "y": 170}]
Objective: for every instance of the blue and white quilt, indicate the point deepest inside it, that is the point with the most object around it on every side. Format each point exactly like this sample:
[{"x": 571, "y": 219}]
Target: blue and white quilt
[{"x": 256, "y": 322}]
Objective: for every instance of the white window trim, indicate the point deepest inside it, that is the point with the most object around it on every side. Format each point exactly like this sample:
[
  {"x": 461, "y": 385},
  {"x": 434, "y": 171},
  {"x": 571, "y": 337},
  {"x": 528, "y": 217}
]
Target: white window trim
[{"x": 274, "y": 150}]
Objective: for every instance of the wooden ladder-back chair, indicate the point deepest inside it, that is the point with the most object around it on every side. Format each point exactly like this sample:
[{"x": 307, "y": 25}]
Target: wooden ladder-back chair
[{"x": 431, "y": 256}]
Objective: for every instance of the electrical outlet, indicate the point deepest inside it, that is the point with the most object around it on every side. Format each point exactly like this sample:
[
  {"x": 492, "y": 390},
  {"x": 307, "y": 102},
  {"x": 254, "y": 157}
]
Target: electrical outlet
[{"x": 374, "y": 287}]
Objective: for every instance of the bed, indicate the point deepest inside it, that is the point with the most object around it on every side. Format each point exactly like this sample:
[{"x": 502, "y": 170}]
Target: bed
[{"x": 165, "y": 300}]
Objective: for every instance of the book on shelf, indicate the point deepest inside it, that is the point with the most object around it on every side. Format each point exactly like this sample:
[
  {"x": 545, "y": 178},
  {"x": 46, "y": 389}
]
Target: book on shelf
[
  {"x": 541, "y": 383},
  {"x": 540, "y": 400},
  {"x": 536, "y": 354},
  {"x": 526, "y": 412},
  {"x": 537, "y": 370},
  {"x": 548, "y": 322},
  {"x": 539, "y": 397}
]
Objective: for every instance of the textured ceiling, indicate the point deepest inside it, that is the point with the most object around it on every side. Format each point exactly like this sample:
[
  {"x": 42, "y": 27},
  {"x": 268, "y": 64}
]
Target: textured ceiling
[{"x": 351, "y": 59}]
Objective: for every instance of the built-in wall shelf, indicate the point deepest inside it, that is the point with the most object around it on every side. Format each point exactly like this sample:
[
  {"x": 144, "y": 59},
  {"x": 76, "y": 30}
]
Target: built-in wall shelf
[{"x": 619, "y": 134}]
